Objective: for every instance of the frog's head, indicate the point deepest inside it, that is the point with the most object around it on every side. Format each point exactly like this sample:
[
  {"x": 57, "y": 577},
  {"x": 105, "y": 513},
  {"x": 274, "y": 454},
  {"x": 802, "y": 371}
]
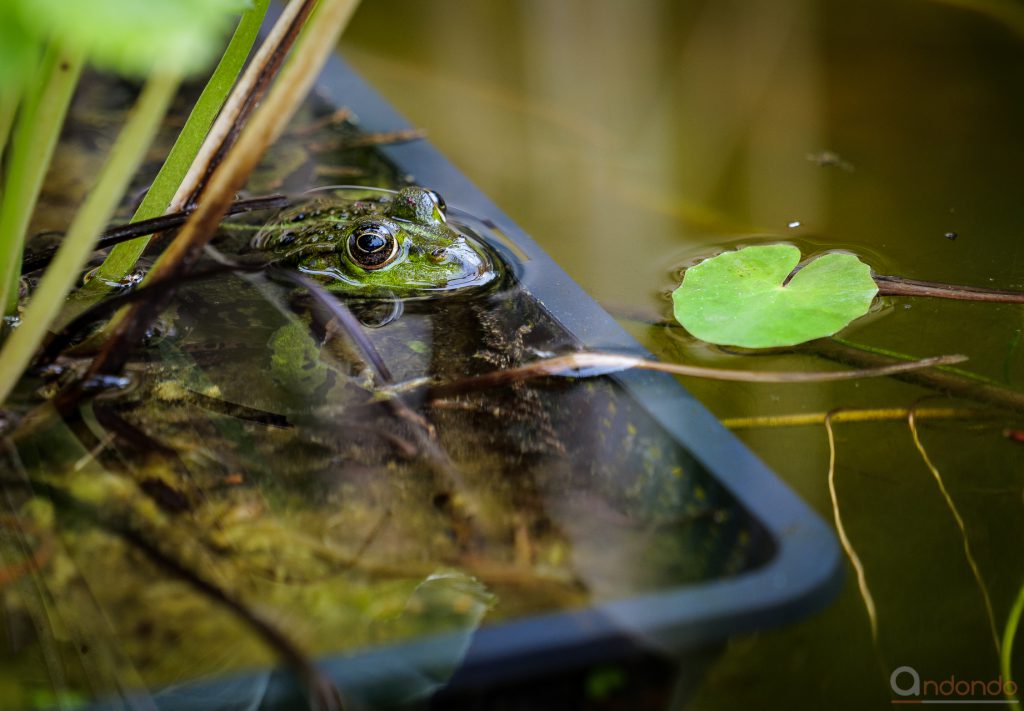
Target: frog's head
[{"x": 400, "y": 244}]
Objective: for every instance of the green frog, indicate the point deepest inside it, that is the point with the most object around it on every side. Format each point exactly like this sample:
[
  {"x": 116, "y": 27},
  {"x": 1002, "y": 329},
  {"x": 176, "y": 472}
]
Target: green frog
[{"x": 399, "y": 245}]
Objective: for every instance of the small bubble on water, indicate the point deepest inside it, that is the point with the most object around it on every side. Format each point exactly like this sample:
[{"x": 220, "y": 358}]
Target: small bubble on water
[
  {"x": 951, "y": 235},
  {"x": 794, "y": 224}
]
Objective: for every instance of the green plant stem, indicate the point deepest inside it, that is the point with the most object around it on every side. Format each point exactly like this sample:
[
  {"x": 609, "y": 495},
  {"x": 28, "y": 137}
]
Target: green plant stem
[
  {"x": 60, "y": 277},
  {"x": 32, "y": 143},
  {"x": 1009, "y": 633},
  {"x": 123, "y": 257},
  {"x": 9, "y": 99}
]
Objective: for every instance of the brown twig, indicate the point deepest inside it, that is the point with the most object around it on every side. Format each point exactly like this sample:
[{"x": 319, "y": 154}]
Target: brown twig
[
  {"x": 370, "y": 139},
  {"x": 898, "y": 286},
  {"x": 123, "y": 233},
  {"x": 585, "y": 364}
]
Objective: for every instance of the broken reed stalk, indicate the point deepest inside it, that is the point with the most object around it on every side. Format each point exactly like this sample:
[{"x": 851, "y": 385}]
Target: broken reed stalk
[
  {"x": 243, "y": 100},
  {"x": 266, "y": 123}
]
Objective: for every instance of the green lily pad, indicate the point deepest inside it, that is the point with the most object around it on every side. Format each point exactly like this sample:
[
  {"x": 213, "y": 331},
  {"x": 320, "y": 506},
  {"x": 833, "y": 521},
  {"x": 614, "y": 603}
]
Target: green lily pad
[{"x": 741, "y": 298}]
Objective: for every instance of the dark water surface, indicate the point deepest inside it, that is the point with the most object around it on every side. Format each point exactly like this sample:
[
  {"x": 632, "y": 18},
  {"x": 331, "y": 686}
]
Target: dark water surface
[{"x": 632, "y": 138}]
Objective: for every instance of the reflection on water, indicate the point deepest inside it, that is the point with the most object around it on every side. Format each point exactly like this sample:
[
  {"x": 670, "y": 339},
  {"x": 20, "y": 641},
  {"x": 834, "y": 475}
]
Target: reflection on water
[{"x": 632, "y": 138}]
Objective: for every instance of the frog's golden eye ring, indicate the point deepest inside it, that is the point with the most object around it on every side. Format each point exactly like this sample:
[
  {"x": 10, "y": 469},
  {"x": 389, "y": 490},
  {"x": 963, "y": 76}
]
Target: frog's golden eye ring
[{"x": 373, "y": 245}]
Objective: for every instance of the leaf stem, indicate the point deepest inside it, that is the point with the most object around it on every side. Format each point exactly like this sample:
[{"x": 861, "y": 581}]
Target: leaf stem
[
  {"x": 59, "y": 279},
  {"x": 33, "y": 140},
  {"x": 9, "y": 99}
]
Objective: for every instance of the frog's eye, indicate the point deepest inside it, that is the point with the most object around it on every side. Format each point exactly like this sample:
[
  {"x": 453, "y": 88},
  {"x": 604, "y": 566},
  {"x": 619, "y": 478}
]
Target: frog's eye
[
  {"x": 438, "y": 201},
  {"x": 373, "y": 245}
]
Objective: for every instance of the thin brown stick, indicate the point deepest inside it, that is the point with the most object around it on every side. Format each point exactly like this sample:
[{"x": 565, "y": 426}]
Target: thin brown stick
[
  {"x": 370, "y": 139},
  {"x": 586, "y": 364},
  {"x": 898, "y": 286},
  {"x": 122, "y": 233}
]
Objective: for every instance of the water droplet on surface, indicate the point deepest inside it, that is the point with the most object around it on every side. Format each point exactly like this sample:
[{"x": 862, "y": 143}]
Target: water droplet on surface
[
  {"x": 951, "y": 235},
  {"x": 794, "y": 224}
]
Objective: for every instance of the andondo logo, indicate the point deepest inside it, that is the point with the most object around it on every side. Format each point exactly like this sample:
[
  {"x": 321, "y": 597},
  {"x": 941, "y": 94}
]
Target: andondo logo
[{"x": 905, "y": 682}]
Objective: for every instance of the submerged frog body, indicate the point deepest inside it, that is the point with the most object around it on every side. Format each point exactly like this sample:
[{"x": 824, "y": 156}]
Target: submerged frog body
[{"x": 400, "y": 245}]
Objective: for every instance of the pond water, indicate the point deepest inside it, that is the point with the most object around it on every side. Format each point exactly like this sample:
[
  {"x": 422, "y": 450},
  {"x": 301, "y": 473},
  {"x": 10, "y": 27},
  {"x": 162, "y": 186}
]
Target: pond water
[
  {"x": 253, "y": 491},
  {"x": 631, "y": 139}
]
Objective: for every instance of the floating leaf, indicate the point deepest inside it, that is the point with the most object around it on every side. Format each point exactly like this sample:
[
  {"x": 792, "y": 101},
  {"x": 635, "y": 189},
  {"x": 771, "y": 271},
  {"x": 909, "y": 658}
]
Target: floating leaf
[{"x": 741, "y": 298}]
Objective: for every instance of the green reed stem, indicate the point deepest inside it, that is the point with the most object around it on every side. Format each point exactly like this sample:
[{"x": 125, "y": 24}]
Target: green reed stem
[
  {"x": 1009, "y": 633},
  {"x": 125, "y": 156},
  {"x": 33, "y": 140},
  {"x": 123, "y": 257},
  {"x": 9, "y": 98}
]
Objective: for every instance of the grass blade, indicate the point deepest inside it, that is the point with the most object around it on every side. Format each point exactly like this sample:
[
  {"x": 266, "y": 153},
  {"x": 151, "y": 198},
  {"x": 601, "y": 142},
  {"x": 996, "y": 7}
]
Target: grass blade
[
  {"x": 59, "y": 279},
  {"x": 32, "y": 144}
]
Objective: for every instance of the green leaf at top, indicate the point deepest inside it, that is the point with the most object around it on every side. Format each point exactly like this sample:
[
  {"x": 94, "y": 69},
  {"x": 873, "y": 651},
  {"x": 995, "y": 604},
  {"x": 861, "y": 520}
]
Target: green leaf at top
[
  {"x": 134, "y": 36},
  {"x": 740, "y": 298}
]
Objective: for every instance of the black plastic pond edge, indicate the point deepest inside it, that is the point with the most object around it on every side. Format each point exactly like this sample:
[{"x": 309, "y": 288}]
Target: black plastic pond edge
[{"x": 803, "y": 576}]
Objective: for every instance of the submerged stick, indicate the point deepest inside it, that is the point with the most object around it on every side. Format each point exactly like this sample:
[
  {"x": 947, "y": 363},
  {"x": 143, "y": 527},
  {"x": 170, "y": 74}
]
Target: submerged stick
[
  {"x": 342, "y": 314},
  {"x": 941, "y": 380},
  {"x": 586, "y": 364},
  {"x": 132, "y": 230},
  {"x": 847, "y": 415}
]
